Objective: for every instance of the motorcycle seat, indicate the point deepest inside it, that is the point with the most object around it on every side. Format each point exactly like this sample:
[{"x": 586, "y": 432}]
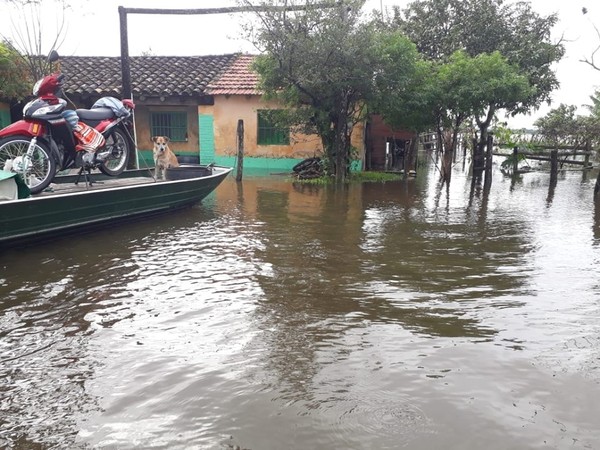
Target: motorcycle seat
[{"x": 95, "y": 114}]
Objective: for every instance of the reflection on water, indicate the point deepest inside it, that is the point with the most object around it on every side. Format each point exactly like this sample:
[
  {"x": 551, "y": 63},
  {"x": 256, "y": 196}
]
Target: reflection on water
[{"x": 277, "y": 315}]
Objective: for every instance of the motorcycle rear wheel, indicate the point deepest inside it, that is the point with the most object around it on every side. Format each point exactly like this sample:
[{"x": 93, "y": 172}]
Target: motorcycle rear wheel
[
  {"x": 118, "y": 145},
  {"x": 37, "y": 173}
]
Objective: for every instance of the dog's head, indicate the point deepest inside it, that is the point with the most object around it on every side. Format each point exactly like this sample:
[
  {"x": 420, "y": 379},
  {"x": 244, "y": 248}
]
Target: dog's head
[{"x": 160, "y": 143}]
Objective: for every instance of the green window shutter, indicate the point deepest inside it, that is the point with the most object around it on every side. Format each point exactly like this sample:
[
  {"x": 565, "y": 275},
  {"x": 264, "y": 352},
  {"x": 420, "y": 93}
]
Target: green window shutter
[
  {"x": 172, "y": 124},
  {"x": 4, "y": 118},
  {"x": 207, "y": 138},
  {"x": 269, "y": 132}
]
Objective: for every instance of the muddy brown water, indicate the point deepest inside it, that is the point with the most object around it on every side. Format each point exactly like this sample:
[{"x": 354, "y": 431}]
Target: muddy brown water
[{"x": 272, "y": 316}]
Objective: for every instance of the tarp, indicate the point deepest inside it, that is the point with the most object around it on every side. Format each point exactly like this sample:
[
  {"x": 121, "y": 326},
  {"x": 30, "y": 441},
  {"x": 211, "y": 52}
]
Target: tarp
[{"x": 12, "y": 186}]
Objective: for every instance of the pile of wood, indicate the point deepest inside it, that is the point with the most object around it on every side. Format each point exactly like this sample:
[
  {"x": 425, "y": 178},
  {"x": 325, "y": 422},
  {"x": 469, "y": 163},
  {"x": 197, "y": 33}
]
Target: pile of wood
[{"x": 308, "y": 169}]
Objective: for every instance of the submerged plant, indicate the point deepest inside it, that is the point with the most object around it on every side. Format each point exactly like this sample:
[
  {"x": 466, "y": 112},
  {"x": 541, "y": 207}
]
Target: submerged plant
[
  {"x": 510, "y": 161},
  {"x": 355, "y": 177}
]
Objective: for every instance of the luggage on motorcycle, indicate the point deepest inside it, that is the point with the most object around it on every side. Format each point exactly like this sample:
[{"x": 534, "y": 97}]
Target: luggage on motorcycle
[
  {"x": 114, "y": 104},
  {"x": 88, "y": 138}
]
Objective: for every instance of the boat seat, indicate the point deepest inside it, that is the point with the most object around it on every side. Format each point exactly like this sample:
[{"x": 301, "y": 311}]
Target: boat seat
[{"x": 95, "y": 114}]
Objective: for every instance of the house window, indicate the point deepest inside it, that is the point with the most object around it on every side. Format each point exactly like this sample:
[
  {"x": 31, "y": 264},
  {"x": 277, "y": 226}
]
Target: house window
[
  {"x": 269, "y": 133},
  {"x": 170, "y": 124}
]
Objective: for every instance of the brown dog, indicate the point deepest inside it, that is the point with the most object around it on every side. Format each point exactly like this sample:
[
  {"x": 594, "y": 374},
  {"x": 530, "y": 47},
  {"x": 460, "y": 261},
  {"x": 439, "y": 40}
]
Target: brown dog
[{"x": 163, "y": 156}]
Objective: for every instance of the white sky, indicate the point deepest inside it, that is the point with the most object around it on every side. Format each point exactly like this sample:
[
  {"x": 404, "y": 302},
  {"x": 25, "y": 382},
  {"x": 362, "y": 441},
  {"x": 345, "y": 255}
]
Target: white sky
[{"x": 93, "y": 30}]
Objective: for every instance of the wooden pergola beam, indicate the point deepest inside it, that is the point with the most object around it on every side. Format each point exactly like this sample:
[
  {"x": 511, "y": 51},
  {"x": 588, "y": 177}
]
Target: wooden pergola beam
[{"x": 123, "y": 11}]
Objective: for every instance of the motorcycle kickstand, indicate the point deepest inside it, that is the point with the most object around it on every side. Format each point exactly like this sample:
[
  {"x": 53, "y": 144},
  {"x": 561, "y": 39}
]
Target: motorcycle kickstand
[{"x": 86, "y": 176}]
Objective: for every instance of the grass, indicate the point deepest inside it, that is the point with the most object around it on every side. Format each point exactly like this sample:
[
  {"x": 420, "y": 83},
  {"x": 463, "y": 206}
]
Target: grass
[{"x": 355, "y": 177}]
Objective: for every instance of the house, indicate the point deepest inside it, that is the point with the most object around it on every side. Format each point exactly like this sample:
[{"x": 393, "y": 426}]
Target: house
[
  {"x": 236, "y": 96},
  {"x": 386, "y": 147},
  {"x": 4, "y": 114},
  {"x": 198, "y": 101},
  {"x": 168, "y": 92}
]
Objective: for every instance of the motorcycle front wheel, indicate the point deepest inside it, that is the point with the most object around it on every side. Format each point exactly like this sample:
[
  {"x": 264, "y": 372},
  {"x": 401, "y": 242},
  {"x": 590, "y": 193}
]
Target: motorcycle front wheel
[
  {"x": 37, "y": 169},
  {"x": 118, "y": 146}
]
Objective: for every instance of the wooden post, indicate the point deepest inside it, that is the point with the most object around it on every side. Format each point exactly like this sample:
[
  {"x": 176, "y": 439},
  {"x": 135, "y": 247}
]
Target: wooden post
[
  {"x": 553, "y": 166},
  {"x": 240, "y": 150},
  {"x": 515, "y": 160},
  {"x": 586, "y": 162},
  {"x": 488, "y": 161},
  {"x": 125, "y": 63}
]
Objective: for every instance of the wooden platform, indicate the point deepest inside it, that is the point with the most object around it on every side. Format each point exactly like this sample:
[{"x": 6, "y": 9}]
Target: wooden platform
[{"x": 67, "y": 187}]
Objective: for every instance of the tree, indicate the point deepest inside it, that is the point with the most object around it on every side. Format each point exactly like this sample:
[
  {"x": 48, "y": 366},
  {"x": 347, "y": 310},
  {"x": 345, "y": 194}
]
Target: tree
[
  {"x": 558, "y": 125},
  {"x": 561, "y": 126},
  {"x": 444, "y": 95},
  {"x": 523, "y": 37},
  {"x": 320, "y": 63},
  {"x": 403, "y": 87},
  {"x": 14, "y": 80},
  {"x": 459, "y": 88},
  {"x": 30, "y": 27},
  {"x": 403, "y": 83},
  {"x": 497, "y": 84}
]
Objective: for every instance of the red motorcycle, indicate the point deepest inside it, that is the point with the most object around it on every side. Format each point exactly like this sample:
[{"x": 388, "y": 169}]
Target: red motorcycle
[{"x": 44, "y": 142}]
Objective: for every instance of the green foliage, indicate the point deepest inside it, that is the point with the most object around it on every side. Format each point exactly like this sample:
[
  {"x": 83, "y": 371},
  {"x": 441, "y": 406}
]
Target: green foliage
[
  {"x": 403, "y": 83},
  {"x": 523, "y": 37},
  {"x": 508, "y": 138},
  {"x": 355, "y": 177},
  {"x": 561, "y": 126},
  {"x": 14, "y": 80},
  {"x": 558, "y": 123},
  {"x": 374, "y": 177},
  {"x": 509, "y": 162},
  {"x": 318, "y": 62},
  {"x": 441, "y": 27},
  {"x": 594, "y": 108}
]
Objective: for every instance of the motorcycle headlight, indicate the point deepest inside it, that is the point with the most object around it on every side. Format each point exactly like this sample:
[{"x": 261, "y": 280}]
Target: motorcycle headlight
[
  {"x": 46, "y": 110},
  {"x": 36, "y": 87}
]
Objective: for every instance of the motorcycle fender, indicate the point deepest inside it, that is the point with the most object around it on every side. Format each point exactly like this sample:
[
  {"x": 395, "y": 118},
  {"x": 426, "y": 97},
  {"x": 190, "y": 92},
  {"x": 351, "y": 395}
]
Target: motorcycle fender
[{"x": 23, "y": 128}]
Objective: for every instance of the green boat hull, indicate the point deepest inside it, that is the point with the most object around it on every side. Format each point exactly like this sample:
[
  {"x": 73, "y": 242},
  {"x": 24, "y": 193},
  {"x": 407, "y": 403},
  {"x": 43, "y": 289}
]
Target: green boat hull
[{"x": 49, "y": 215}]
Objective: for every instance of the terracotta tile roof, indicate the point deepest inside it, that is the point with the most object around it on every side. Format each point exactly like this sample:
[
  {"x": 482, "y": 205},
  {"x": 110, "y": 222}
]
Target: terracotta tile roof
[
  {"x": 150, "y": 75},
  {"x": 239, "y": 79}
]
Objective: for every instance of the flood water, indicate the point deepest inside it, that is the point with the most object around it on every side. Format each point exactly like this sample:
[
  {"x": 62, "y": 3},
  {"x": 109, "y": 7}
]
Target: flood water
[{"x": 275, "y": 316}]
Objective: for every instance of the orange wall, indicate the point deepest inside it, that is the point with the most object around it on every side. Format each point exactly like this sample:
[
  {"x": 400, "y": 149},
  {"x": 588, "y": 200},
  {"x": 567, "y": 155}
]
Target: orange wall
[
  {"x": 144, "y": 135},
  {"x": 226, "y": 112}
]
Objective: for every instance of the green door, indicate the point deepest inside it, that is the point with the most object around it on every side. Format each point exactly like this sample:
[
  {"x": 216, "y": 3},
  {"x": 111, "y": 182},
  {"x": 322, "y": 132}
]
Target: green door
[
  {"x": 4, "y": 118},
  {"x": 207, "y": 138}
]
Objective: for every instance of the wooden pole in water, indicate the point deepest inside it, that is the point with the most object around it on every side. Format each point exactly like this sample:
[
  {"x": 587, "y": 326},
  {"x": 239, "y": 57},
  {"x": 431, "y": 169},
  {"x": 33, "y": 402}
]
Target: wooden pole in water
[
  {"x": 488, "y": 161},
  {"x": 515, "y": 160},
  {"x": 586, "y": 162},
  {"x": 553, "y": 166},
  {"x": 240, "y": 150}
]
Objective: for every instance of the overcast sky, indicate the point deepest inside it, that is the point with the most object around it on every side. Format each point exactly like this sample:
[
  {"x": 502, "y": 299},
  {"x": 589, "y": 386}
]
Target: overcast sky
[{"x": 93, "y": 30}]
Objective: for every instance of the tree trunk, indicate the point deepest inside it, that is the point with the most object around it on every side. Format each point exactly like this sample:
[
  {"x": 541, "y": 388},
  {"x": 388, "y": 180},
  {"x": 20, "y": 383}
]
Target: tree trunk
[
  {"x": 341, "y": 155},
  {"x": 479, "y": 150},
  {"x": 410, "y": 163},
  {"x": 342, "y": 143},
  {"x": 450, "y": 138}
]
